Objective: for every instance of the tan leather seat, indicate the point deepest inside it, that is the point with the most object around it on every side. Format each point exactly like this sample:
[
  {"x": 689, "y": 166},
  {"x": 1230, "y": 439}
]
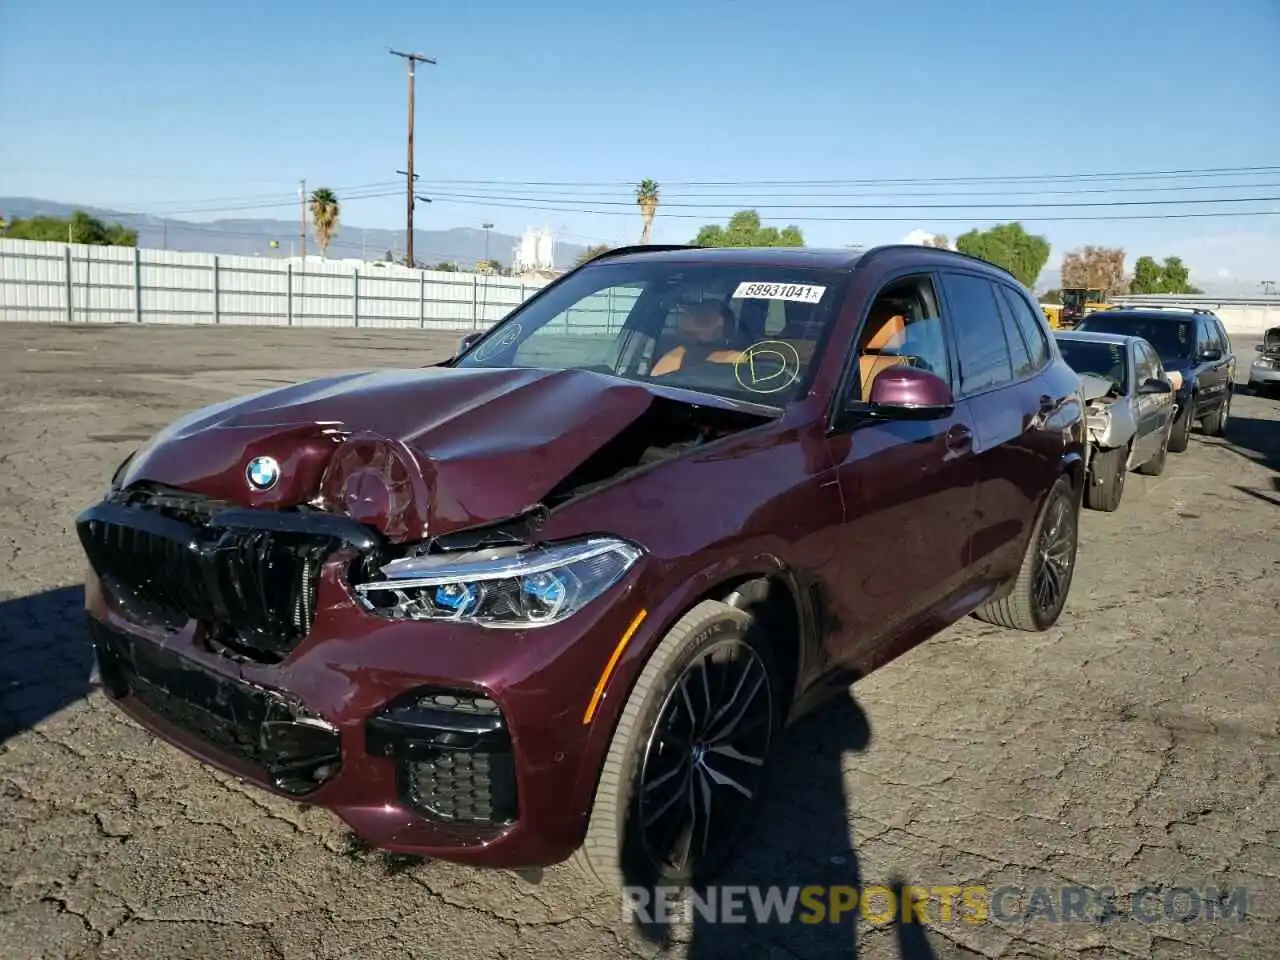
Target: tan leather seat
[
  {"x": 871, "y": 361},
  {"x": 704, "y": 325}
]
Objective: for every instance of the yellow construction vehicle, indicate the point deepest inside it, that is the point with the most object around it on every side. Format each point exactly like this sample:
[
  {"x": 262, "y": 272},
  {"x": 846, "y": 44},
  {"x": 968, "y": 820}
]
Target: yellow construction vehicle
[{"x": 1077, "y": 302}]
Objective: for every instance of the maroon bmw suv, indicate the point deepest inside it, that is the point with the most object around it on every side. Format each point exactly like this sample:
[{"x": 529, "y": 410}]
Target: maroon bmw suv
[{"x": 560, "y": 594}]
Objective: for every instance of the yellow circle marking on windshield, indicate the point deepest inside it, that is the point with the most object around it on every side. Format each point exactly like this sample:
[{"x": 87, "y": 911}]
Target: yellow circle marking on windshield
[
  {"x": 769, "y": 366},
  {"x": 509, "y": 337}
]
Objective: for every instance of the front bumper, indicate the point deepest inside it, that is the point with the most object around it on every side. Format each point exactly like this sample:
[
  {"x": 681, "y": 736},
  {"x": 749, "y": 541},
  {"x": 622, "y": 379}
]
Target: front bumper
[
  {"x": 452, "y": 742},
  {"x": 1268, "y": 374}
]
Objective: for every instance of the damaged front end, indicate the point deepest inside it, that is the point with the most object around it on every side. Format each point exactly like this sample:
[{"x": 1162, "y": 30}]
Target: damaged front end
[{"x": 1107, "y": 419}]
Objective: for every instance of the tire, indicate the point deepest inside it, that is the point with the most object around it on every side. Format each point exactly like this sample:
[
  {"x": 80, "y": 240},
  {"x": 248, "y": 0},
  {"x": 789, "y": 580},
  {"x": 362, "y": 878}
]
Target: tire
[
  {"x": 1215, "y": 424},
  {"x": 1057, "y": 527},
  {"x": 1155, "y": 466},
  {"x": 617, "y": 850},
  {"x": 1180, "y": 435},
  {"x": 1108, "y": 472}
]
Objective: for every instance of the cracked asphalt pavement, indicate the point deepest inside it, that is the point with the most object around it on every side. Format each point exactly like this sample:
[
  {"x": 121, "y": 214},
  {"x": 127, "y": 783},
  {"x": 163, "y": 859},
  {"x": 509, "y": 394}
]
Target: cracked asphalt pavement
[{"x": 1134, "y": 744}]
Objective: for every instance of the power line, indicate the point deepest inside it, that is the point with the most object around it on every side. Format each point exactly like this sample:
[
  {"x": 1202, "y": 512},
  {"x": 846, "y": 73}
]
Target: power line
[
  {"x": 497, "y": 193},
  {"x": 889, "y": 181},
  {"x": 891, "y": 206},
  {"x": 907, "y": 219}
]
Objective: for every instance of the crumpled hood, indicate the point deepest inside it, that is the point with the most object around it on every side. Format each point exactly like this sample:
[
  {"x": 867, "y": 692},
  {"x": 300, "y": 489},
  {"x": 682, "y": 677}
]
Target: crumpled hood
[
  {"x": 406, "y": 451},
  {"x": 1094, "y": 387}
]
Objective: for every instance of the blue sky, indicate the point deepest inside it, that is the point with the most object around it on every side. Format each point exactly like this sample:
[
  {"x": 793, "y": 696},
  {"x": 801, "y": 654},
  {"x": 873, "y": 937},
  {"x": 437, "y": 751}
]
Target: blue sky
[{"x": 184, "y": 106}]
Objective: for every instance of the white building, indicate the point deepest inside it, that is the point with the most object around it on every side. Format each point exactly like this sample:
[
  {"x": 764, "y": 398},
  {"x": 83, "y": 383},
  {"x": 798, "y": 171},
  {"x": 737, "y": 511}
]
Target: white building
[{"x": 535, "y": 251}]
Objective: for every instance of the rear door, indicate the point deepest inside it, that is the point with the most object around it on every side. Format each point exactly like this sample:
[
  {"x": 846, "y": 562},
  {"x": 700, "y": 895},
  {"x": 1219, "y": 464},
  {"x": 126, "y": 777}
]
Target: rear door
[{"x": 1016, "y": 452}]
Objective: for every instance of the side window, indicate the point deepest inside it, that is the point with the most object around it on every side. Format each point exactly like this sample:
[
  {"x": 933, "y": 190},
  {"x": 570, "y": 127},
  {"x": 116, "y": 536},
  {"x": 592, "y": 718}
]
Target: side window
[
  {"x": 1028, "y": 322},
  {"x": 979, "y": 333},
  {"x": 1019, "y": 355},
  {"x": 1147, "y": 365},
  {"x": 1204, "y": 335},
  {"x": 1223, "y": 337},
  {"x": 903, "y": 328}
]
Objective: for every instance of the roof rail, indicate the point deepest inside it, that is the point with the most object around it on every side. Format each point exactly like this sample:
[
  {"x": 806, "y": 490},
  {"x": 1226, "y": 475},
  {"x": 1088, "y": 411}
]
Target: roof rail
[
  {"x": 644, "y": 248},
  {"x": 1205, "y": 311},
  {"x": 943, "y": 250}
]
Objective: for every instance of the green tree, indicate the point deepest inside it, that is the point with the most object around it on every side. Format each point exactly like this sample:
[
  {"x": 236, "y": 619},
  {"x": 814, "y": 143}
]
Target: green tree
[
  {"x": 444, "y": 266},
  {"x": 324, "y": 217},
  {"x": 1147, "y": 276},
  {"x": 1010, "y": 246},
  {"x": 78, "y": 228},
  {"x": 591, "y": 253},
  {"x": 744, "y": 230},
  {"x": 647, "y": 197},
  {"x": 1051, "y": 296},
  {"x": 1171, "y": 276}
]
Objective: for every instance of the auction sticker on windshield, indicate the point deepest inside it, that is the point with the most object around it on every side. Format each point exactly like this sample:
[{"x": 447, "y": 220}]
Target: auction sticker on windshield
[{"x": 801, "y": 292}]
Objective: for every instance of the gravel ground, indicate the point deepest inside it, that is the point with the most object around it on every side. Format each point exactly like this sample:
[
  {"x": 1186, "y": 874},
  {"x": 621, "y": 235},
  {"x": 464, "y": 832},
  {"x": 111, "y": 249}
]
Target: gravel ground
[{"x": 1134, "y": 744}]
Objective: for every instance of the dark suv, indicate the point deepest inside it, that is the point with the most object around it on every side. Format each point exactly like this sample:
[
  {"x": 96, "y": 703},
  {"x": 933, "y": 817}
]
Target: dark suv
[
  {"x": 1195, "y": 346},
  {"x": 561, "y": 593}
]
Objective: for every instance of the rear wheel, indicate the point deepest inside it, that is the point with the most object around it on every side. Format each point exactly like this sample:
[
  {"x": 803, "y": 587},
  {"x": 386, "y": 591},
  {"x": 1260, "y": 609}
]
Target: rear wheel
[
  {"x": 688, "y": 756},
  {"x": 1040, "y": 592},
  {"x": 1180, "y": 437},
  {"x": 1215, "y": 424},
  {"x": 1106, "y": 481}
]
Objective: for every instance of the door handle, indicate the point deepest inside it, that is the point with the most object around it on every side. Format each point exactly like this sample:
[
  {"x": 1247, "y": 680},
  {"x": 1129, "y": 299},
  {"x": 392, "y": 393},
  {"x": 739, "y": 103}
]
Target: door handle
[{"x": 959, "y": 439}]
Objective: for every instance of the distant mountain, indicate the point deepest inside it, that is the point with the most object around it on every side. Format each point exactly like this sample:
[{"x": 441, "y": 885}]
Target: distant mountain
[{"x": 250, "y": 237}]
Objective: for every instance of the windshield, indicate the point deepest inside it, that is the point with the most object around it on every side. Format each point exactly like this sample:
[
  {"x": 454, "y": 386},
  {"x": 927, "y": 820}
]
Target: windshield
[
  {"x": 1104, "y": 360},
  {"x": 1172, "y": 339},
  {"x": 739, "y": 331}
]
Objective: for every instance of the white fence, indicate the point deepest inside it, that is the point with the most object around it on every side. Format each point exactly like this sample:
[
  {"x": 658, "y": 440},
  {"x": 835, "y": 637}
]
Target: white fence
[{"x": 78, "y": 283}]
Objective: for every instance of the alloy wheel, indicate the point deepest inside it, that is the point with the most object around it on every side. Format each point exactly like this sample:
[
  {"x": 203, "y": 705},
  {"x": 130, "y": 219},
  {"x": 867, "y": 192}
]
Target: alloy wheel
[
  {"x": 1055, "y": 556},
  {"x": 705, "y": 757}
]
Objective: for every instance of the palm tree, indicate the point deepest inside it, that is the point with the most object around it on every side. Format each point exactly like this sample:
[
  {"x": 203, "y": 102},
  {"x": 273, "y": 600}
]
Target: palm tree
[
  {"x": 324, "y": 215},
  {"x": 647, "y": 201}
]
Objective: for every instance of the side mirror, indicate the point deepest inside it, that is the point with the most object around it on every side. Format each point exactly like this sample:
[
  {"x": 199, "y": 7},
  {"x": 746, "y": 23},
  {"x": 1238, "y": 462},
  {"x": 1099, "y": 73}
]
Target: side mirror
[
  {"x": 1211, "y": 354},
  {"x": 1152, "y": 386},
  {"x": 465, "y": 343},
  {"x": 909, "y": 393},
  {"x": 1257, "y": 348}
]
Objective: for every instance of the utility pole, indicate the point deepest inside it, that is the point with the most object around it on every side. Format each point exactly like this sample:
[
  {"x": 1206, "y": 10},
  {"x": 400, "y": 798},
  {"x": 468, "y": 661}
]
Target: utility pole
[
  {"x": 302, "y": 218},
  {"x": 413, "y": 59}
]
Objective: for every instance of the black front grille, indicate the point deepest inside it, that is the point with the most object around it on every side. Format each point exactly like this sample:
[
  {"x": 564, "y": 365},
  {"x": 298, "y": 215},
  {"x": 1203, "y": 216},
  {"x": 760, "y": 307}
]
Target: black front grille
[
  {"x": 295, "y": 750},
  {"x": 249, "y": 576},
  {"x": 456, "y": 764}
]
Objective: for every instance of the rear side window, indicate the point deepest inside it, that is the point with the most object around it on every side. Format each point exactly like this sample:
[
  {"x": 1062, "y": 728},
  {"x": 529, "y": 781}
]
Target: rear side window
[
  {"x": 1032, "y": 330},
  {"x": 979, "y": 331}
]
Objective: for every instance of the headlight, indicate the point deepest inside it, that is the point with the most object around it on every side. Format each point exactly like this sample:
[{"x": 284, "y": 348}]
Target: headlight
[
  {"x": 1099, "y": 419},
  {"x": 506, "y": 588}
]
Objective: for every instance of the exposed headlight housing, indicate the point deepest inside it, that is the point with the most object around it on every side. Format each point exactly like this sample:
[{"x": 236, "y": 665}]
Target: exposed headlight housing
[
  {"x": 1099, "y": 419},
  {"x": 506, "y": 588}
]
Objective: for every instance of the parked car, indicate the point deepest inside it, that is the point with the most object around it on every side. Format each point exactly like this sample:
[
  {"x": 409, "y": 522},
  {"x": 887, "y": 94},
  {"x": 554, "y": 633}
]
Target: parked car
[
  {"x": 1129, "y": 401},
  {"x": 1264, "y": 372},
  {"x": 1192, "y": 344},
  {"x": 558, "y": 595}
]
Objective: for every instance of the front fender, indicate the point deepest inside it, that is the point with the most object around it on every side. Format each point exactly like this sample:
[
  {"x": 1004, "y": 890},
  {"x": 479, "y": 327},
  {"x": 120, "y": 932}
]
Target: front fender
[{"x": 668, "y": 601}]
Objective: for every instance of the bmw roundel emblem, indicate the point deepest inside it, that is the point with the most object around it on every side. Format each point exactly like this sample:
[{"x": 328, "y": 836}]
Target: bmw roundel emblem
[{"x": 262, "y": 473}]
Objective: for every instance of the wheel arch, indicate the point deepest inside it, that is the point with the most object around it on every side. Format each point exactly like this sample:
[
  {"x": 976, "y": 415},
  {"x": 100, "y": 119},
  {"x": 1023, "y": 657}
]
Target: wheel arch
[{"x": 764, "y": 582}]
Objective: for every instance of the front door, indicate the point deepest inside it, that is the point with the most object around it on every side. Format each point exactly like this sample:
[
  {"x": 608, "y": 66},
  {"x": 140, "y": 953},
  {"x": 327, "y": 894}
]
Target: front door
[
  {"x": 908, "y": 487},
  {"x": 1155, "y": 410}
]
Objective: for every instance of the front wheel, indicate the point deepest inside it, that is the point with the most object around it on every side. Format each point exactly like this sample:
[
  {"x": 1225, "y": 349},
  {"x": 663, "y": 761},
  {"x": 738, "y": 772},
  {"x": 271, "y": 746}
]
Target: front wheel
[
  {"x": 1180, "y": 437},
  {"x": 1215, "y": 424},
  {"x": 688, "y": 756},
  {"x": 1048, "y": 566},
  {"x": 1106, "y": 481}
]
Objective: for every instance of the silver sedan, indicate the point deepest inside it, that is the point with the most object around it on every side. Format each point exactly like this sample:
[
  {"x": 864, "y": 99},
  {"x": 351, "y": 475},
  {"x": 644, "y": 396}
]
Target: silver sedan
[{"x": 1129, "y": 396}]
